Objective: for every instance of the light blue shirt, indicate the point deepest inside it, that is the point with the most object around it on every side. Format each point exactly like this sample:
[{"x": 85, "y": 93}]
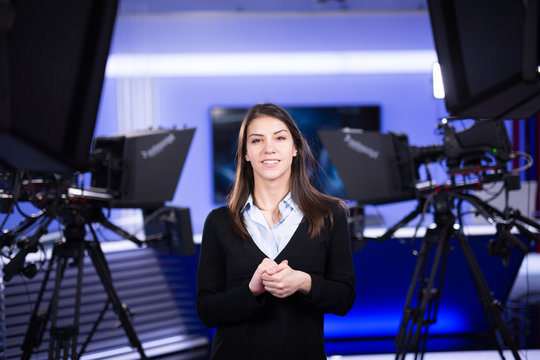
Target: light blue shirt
[{"x": 272, "y": 241}]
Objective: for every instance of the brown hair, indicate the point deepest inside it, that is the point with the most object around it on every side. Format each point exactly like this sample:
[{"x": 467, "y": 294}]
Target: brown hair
[{"x": 314, "y": 205}]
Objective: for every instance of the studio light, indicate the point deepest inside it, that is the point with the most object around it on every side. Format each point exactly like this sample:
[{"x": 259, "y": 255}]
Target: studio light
[{"x": 270, "y": 63}]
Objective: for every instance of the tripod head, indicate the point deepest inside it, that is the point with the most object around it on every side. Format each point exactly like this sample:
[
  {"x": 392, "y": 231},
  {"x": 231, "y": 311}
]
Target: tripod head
[
  {"x": 442, "y": 199},
  {"x": 57, "y": 200}
]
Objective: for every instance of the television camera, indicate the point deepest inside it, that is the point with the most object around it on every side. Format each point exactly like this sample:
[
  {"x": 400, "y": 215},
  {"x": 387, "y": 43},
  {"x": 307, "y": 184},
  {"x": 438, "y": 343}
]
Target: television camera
[
  {"x": 123, "y": 175},
  {"x": 51, "y": 76},
  {"x": 472, "y": 158},
  {"x": 490, "y": 73},
  {"x": 123, "y": 172}
]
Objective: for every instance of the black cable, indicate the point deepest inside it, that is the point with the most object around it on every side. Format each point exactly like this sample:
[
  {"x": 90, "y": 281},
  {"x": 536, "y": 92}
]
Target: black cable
[
  {"x": 17, "y": 262},
  {"x": 425, "y": 208},
  {"x": 10, "y": 210},
  {"x": 17, "y": 192},
  {"x": 6, "y": 217}
]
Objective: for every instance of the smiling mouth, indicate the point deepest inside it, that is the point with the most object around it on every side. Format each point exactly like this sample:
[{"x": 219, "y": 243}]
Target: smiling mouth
[{"x": 270, "y": 161}]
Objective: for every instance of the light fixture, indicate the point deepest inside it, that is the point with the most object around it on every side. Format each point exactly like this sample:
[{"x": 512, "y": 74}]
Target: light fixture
[
  {"x": 270, "y": 63},
  {"x": 438, "y": 87}
]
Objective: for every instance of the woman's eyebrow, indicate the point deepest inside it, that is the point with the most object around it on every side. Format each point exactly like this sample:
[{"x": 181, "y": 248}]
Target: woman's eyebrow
[{"x": 276, "y": 132}]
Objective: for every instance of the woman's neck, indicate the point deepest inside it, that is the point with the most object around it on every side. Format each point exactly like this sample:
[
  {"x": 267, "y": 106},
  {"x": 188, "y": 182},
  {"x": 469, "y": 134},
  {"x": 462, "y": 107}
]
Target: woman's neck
[{"x": 268, "y": 195}]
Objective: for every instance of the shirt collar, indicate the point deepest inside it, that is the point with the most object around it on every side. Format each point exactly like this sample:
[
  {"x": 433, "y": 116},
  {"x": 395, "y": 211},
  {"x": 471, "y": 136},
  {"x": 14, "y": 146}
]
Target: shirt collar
[
  {"x": 248, "y": 204},
  {"x": 287, "y": 201}
]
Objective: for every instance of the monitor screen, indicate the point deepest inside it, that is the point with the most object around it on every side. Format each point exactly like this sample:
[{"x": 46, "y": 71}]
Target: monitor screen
[
  {"x": 226, "y": 123},
  {"x": 52, "y": 67},
  {"x": 489, "y": 57},
  {"x": 385, "y": 157},
  {"x": 128, "y": 165}
]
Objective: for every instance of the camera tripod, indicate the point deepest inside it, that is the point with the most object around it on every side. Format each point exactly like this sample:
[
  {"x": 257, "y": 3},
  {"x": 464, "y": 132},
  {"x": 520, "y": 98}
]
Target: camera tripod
[
  {"x": 63, "y": 341},
  {"x": 428, "y": 277}
]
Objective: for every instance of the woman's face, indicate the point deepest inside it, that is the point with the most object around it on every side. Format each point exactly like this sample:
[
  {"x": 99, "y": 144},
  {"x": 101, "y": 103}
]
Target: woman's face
[{"x": 270, "y": 149}]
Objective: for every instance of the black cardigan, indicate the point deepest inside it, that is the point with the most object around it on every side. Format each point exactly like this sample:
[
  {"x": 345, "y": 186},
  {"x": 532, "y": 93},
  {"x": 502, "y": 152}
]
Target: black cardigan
[{"x": 265, "y": 327}]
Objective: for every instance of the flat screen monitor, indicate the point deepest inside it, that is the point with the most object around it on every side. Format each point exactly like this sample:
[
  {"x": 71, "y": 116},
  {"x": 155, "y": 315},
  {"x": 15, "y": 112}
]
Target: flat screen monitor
[
  {"x": 226, "y": 123},
  {"x": 489, "y": 54}
]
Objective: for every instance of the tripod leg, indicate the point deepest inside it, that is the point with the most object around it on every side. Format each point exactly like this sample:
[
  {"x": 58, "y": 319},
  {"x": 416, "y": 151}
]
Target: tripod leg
[
  {"x": 65, "y": 338},
  {"x": 490, "y": 305},
  {"x": 414, "y": 324},
  {"x": 76, "y": 317},
  {"x": 94, "y": 327},
  {"x": 38, "y": 321},
  {"x": 100, "y": 264},
  {"x": 410, "y": 315},
  {"x": 54, "y": 341}
]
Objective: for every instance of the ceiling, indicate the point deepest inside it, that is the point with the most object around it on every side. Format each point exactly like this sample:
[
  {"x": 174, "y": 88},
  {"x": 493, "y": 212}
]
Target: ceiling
[{"x": 172, "y": 6}]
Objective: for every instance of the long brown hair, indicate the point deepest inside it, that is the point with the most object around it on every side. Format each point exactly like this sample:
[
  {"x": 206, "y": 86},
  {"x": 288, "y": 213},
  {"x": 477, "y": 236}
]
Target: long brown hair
[{"x": 314, "y": 205}]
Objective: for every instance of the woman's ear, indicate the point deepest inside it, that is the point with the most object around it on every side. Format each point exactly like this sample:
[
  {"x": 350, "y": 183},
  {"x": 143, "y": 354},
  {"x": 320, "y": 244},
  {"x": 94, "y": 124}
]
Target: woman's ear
[{"x": 246, "y": 157}]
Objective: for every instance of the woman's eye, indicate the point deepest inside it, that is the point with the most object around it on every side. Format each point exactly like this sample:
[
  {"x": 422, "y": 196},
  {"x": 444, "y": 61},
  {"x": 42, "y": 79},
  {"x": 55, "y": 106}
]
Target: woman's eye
[
  {"x": 254, "y": 141},
  {"x": 281, "y": 138}
]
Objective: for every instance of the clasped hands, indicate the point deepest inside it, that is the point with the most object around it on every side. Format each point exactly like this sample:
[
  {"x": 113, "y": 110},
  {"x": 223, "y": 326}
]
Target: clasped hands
[{"x": 280, "y": 280}]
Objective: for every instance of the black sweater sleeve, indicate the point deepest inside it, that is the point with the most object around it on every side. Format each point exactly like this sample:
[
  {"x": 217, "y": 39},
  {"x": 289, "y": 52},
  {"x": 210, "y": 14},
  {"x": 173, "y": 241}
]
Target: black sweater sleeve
[
  {"x": 217, "y": 304},
  {"x": 334, "y": 291}
]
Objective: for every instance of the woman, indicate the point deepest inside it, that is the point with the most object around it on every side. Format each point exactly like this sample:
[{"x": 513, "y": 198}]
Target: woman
[{"x": 278, "y": 256}]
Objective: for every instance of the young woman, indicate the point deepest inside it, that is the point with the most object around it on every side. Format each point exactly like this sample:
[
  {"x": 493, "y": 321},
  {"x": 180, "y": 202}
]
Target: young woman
[{"x": 277, "y": 257}]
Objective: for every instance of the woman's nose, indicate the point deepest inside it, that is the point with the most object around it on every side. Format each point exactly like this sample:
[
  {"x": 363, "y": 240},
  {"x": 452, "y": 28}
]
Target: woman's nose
[{"x": 269, "y": 147}]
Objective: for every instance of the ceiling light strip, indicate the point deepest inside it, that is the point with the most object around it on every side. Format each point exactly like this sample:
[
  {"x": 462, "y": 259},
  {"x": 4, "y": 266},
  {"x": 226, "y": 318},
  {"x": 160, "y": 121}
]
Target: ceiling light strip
[{"x": 270, "y": 63}]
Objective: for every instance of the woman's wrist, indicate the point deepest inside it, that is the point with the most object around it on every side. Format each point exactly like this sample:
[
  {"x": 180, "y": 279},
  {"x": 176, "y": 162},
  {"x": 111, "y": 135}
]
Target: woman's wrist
[
  {"x": 305, "y": 285},
  {"x": 255, "y": 290}
]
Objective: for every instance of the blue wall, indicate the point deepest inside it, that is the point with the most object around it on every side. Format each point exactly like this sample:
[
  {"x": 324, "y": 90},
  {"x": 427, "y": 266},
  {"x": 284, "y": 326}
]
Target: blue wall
[{"x": 406, "y": 100}]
